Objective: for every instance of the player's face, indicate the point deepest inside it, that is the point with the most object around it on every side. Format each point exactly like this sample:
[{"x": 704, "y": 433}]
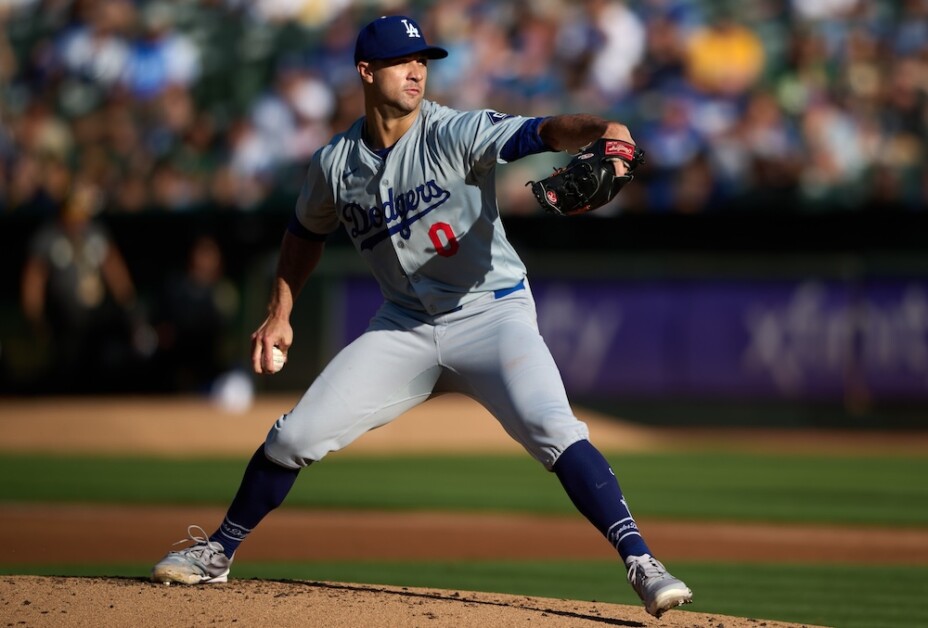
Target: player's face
[{"x": 399, "y": 83}]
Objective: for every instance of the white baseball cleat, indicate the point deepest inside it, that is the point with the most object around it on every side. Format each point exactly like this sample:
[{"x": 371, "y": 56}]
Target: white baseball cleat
[
  {"x": 659, "y": 591},
  {"x": 201, "y": 563}
]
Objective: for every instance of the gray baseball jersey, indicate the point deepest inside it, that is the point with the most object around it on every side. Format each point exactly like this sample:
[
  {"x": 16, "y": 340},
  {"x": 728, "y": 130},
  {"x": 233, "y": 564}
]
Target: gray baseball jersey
[
  {"x": 458, "y": 313},
  {"x": 425, "y": 219}
]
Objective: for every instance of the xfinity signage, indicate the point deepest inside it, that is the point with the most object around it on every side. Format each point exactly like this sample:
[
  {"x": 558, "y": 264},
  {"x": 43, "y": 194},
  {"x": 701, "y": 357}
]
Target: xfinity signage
[{"x": 784, "y": 339}]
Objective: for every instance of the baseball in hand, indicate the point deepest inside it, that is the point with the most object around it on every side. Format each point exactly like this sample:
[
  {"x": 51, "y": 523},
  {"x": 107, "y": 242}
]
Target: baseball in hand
[{"x": 279, "y": 359}]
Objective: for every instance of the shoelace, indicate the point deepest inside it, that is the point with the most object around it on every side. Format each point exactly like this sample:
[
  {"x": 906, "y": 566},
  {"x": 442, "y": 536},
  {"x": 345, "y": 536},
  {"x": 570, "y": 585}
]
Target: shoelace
[
  {"x": 648, "y": 566},
  {"x": 202, "y": 547}
]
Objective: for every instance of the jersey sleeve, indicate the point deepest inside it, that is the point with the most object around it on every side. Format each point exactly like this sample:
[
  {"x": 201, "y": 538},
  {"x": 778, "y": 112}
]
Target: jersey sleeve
[
  {"x": 480, "y": 136},
  {"x": 315, "y": 207}
]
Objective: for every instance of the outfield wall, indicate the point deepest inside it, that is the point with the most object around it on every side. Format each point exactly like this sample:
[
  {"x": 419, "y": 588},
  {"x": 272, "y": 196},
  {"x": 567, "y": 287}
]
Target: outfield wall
[{"x": 828, "y": 311}]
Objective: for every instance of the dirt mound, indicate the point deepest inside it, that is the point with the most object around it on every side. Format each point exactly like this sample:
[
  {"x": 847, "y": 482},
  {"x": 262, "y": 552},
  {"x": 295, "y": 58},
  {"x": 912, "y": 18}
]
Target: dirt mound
[{"x": 55, "y": 601}]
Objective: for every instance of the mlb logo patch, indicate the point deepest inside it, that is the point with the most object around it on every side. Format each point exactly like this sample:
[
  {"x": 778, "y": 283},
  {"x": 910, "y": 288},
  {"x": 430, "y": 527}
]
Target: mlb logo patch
[{"x": 496, "y": 117}]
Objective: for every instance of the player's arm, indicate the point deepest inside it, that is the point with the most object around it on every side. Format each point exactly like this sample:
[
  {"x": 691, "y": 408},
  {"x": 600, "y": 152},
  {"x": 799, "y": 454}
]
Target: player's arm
[
  {"x": 568, "y": 132},
  {"x": 573, "y": 131},
  {"x": 300, "y": 252},
  {"x": 299, "y": 256}
]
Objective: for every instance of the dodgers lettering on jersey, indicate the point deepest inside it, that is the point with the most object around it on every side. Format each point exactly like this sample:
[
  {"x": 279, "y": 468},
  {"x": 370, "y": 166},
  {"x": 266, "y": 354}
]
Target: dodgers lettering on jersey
[
  {"x": 398, "y": 212},
  {"x": 425, "y": 219}
]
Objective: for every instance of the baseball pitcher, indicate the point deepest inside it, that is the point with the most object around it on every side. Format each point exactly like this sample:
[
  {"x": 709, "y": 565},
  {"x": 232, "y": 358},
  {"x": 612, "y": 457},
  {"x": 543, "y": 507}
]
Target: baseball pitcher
[{"x": 412, "y": 183}]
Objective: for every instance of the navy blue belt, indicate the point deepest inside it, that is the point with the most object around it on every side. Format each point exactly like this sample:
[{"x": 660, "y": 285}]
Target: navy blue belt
[{"x": 497, "y": 294}]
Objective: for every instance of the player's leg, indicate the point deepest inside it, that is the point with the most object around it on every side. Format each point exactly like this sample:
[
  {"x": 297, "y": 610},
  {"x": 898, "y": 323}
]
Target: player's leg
[
  {"x": 593, "y": 487},
  {"x": 509, "y": 369},
  {"x": 206, "y": 560},
  {"x": 383, "y": 373},
  {"x": 389, "y": 369}
]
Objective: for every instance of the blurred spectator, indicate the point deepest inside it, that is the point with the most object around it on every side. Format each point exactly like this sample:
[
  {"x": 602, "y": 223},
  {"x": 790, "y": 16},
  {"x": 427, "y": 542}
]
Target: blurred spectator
[
  {"x": 620, "y": 49},
  {"x": 247, "y": 177},
  {"x": 38, "y": 182},
  {"x": 192, "y": 317},
  {"x": 172, "y": 188},
  {"x": 95, "y": 48},
  {"x": 331, "y": 54},
  {"x": 693, "y": 188},
  {"x": 759, "y": 159},
  {"x": 904, "y": 98},
  {"x": 40, "y": 174},
  {"x": 526, "y": 83},
  {"x": 79, "y": 297},
  {"x": 292, "y": 117},
  {"x": 725, "y": 57},
  {"x": 452, "y": 23},
  {"x": 836, "y": 157},
  {"x": 662, "y": 68},
  {"x": 805, "y": 77},
  {"x": 672, "y": 143},
  {"x": 161, "y": 56}
]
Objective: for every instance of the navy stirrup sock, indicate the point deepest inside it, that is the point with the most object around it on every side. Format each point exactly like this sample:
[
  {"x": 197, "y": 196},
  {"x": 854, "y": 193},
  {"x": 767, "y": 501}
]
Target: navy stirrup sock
[
  {"x": 594, "y": 490},
  {"x": 264, "y": 487}
]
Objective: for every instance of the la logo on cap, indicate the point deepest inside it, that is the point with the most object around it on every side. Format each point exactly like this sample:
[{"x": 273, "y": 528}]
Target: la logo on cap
[
  {"x": 393, "y": 37},
  {"x": 411, "y": 30}
]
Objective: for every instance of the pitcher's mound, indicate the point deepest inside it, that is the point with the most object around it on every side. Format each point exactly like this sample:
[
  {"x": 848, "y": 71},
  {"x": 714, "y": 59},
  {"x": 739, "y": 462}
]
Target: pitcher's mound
[{"x": 67, "y": 601}]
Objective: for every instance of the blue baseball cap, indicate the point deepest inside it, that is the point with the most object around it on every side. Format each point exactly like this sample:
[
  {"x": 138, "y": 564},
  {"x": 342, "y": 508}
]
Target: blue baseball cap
[{"x": 393, "y": 36}]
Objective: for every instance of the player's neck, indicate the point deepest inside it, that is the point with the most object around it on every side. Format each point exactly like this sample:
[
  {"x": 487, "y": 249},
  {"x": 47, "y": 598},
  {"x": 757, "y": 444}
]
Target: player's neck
[{"x": 384, "y": 128}]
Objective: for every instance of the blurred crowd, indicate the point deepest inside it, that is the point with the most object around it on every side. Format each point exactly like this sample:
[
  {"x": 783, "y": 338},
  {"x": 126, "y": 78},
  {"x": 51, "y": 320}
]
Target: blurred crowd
[{"x": 781, "y": 105}]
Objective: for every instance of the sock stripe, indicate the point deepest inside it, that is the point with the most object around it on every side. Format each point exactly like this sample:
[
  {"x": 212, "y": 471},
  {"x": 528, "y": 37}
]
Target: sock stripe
[
  {"x": 625, "y": 536},
  {"x": 619, "y": 522},
  {"x": 622, "y": 530},
  {"x": 232, "y": 530},
  {"x": 239, "y": 526}
]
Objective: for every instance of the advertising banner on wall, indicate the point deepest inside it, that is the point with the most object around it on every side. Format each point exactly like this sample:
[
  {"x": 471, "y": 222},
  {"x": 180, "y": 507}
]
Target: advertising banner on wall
[{"x": 787, "y": 339}]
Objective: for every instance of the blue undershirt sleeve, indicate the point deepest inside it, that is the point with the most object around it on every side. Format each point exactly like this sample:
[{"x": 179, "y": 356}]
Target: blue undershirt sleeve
[{"x": 526, "y": 141}]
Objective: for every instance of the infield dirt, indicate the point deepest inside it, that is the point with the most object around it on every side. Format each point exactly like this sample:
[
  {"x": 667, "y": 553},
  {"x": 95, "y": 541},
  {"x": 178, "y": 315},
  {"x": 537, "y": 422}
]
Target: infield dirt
[{"x": 183, "y": 427}]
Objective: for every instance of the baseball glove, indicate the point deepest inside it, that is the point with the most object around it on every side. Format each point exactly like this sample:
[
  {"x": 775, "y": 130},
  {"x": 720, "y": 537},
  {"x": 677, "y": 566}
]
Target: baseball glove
[{"x": 589, "y": 180}]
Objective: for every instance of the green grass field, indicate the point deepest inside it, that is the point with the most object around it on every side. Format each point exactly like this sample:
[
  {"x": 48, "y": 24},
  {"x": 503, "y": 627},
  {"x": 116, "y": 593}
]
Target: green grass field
[
  {"x": 871, "y": 490},
  {"x": 887, "y": 491}
]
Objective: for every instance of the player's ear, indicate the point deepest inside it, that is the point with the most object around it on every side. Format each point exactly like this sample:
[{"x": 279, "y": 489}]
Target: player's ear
[{"x": 366, "y": 72}]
